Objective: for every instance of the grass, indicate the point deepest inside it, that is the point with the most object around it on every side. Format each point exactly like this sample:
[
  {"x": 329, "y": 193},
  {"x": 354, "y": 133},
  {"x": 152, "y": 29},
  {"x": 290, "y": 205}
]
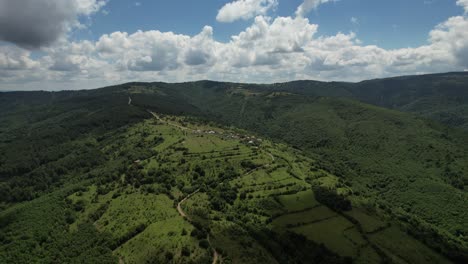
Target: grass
[
  {"x": 207, "y": 144},
  {"x": 171, "y": 136},
  {"x": 330, "y": 233},
  {"x": 317, "y": 214},
  {"x": 128, "y": 211},
  {"x": 368, "y": 255},
  {"x": 162, "y": 237},
  {"x": 369, "y": 223},
  {"x": 237, "y": 246},
  {"x": 90, "y": 206},
  {"x": 403, "y": 248},
  {"x": 197, "y": 207},
  {"x": 298, "y": 201}
]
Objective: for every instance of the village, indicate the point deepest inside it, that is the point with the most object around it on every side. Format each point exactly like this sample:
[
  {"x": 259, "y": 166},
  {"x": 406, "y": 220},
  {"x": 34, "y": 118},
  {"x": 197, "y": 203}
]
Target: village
[{"x": 247, "y": 140}]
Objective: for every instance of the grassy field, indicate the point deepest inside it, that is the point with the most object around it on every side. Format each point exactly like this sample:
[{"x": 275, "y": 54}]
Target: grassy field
[
  {"x": 331, "y": 233},
  {"x": 275, "y": 185},
  {"x": 404, "y": 249},
  {"x": 299, "y": 201},
  {"x": 368, "y": 222},
  {"x": 237, "y": 246},
  {"x": 164, "y": 241},
  {"x": 129, "y": 211},
  {"x": 317, "y": 214}
]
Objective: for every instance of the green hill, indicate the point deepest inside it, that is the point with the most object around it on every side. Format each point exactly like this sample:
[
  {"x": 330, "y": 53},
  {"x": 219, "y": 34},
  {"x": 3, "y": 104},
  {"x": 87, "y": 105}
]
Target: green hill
[
  {"x": 331, "y": 180},
  {"x": 410, "y": 167},
  {"x": 441, "y": 97}
]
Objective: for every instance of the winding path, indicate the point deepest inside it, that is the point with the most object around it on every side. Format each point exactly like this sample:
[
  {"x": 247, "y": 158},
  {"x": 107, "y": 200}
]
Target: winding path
[
  {"x": 179, "y": 208},
  {"x": 272, "y": 157},
  {"x": 169, "y": 123},
  {"x": 258, "y": 168},
  {"x": 216, "y": 255}
]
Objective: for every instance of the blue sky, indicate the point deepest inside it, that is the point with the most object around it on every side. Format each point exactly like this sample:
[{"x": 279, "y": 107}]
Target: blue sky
[
  {"x": 80, "y": 44},
  {"x": 389, "y": 24}
]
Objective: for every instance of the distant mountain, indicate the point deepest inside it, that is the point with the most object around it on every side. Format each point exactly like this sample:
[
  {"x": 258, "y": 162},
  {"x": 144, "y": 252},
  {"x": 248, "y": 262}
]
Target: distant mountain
[{"x": 441, "y": 97}]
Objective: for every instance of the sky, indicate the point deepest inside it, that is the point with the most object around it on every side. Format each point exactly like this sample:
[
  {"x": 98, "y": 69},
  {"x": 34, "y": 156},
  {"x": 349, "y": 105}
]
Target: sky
[{"x": 83, "y": 44}]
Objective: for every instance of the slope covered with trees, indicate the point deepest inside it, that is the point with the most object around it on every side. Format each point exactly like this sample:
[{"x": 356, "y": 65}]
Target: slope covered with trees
[
  {"x": 441, "y": 97},
  {"x": 366, "y": 175}
]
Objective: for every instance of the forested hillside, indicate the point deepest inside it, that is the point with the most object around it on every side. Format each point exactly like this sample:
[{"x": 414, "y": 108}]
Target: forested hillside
[
  {"x": 413, "y": 168},
  {"x": 272, "y": 165},
  {"x": 441, "y": 97}
]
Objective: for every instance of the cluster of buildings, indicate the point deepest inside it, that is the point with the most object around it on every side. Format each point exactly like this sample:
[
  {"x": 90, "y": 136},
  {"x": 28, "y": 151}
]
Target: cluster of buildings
[{"x": 248, "y": 140}]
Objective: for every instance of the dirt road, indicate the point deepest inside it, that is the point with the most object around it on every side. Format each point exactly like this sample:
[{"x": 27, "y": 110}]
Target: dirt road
[
  {"x": 179, "y": 208},
  {"x": 216, "y": 255},
  {"x": 169, "y": 123}
]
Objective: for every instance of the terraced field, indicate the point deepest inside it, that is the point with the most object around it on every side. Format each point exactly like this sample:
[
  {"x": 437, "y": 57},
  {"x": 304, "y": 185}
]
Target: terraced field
[{"x": 238, "y": 182}]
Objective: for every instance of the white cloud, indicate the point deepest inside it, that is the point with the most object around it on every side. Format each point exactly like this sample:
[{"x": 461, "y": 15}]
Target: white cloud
[
  {"x": 464, "y": 4},
  {"x": 269, "y": 50},
  {"x": 13, "y": 58},
  {"x": 87, "y": 7},
  {"x": 282, "y": 35},
  {"x": 309, "y": 5},
  {"x": 244, "y": 9},
  {"x": 452, "y": 36}
]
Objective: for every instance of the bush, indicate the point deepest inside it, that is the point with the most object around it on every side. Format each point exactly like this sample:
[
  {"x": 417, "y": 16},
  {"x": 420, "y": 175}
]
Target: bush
[
  {"x": 185, "y": 251},
  {"x": 199, "y": 234},
  {"x": 204, "y": 244},
  {"x": 331, "y": 199},
  {"x": 79, "y": 205},
  {"x": 248, "y": 164},
  {"x": 169, "y": 256},
  {"x": 243, "y": 195}
]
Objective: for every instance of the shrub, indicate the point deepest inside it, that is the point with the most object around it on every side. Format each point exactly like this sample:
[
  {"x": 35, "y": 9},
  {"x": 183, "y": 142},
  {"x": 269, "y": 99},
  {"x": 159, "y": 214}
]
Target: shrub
[
  {"x": 185, "y": 251},
  {"x": 204, "y": 244},
  {"x": 331, "y": 199}
]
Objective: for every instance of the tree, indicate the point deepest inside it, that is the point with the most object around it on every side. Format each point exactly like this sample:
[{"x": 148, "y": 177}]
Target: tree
[
  {"x": 331, "y": 199},
  {"x": 204, "y": 243}
]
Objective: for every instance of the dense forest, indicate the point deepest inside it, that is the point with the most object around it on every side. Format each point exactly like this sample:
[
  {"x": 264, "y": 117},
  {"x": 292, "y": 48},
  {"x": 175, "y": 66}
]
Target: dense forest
[{"x": 300, "y": 172}]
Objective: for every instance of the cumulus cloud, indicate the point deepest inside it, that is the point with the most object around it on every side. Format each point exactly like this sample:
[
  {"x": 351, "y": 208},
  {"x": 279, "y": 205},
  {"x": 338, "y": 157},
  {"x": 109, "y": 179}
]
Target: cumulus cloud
[
  {"x": 37, "y": 23},
  {"x": 13, "y": 58},
  {"x": 452, "y": 36},
  {"x": 464, "y": 4},
  {"x": 269, "y": 50},
  {"x": 71, "y": 57},
  {"x": 202, "y": 50},
  {"x": 244, "y": 9},
  {"x": 143, "y": 51},
  {"x": 309, "y": 5}
]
